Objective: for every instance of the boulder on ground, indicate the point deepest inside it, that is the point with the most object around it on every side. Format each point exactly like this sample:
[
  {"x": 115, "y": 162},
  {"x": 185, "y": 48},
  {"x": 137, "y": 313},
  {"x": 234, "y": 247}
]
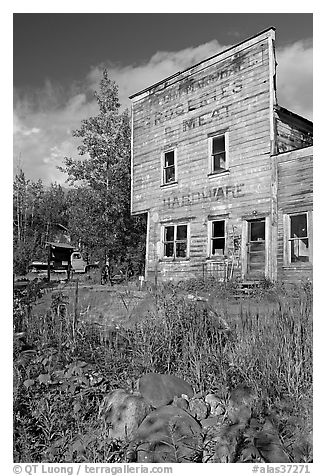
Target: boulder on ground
[
  {"x": 160, "y": 389},
  {"x": 269, "y": 444},
  {"x": 181, "y": 403},
  {"x": 123, "y": 412},
  {"x": 215, "y": 404},
  {"x": 198, "y": 408},
  {"x": 168, "y": 435},
  {"x": 240, "y": 404}
]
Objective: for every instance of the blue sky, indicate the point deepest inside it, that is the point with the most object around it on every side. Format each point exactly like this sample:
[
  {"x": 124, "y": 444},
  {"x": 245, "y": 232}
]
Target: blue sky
[{"x": 58, "y": 60}]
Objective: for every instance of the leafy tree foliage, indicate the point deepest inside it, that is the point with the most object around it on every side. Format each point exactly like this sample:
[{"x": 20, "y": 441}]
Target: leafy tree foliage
[
  {"x": 35, "y": 210},
  {"x": 96, "y": 210},
  {"x": 99, "y": 209}
]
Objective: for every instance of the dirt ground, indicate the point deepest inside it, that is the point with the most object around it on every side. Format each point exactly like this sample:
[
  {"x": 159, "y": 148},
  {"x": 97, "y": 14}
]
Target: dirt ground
[{"x": 126, "y": 304}]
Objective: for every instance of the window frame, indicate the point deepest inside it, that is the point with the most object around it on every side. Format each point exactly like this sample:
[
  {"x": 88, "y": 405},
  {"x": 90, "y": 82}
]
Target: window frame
[
  {"x": 164, "y": 183},
  {"x": 211, "y": 138},
  {"x": 288, "y": 240},
  {"x": 211, "y": 238},
  {"x": 175, "y": 241}
]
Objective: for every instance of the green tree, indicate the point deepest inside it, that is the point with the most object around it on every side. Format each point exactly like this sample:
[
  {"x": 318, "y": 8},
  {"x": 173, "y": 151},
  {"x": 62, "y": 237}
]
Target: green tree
[
  {"x": 35, "y": 210},
  {"x": 103, "y": 177}
]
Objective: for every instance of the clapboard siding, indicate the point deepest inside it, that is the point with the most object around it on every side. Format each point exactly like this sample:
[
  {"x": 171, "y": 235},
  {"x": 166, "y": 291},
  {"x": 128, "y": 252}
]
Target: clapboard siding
[
  {"x": 293, "y": 132},
  {"x": 295, "y": 195},
  {"x": 232, "y": 93}
]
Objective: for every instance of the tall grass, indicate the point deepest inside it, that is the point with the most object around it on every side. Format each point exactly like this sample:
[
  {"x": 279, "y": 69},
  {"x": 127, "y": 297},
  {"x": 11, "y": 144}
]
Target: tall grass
[{"x": 60, "y": 384}]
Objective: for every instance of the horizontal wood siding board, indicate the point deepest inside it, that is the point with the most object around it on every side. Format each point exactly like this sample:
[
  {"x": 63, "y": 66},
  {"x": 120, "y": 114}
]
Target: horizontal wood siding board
[{"x": 238, "y": 103}]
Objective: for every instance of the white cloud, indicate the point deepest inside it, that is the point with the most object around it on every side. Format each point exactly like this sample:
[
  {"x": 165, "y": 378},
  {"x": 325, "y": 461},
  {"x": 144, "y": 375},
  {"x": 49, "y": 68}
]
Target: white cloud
[
  {"x": 134, "y": 78},
  {"x": 295, "y": 78},
  {"x": 43, "y": 122}
]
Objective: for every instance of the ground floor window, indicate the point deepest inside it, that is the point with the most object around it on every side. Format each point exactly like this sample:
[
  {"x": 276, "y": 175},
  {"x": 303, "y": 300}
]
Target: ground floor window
[
  {"x": 175, "y": 241},
  {"x": 298, "y": 240},
  {"x": 217, "y": 238}
]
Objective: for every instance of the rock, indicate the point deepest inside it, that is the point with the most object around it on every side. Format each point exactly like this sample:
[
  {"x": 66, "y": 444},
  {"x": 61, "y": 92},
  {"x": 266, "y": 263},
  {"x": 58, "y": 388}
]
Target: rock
[
  {"x": 269, "y": 444},
  {"x": 181, "y": 402},
  {"x": 215, "y": 404},
  {"x": 240, "y": 415},
  {"x": 123, "y": 413},
  {"x": 220, "y": 443},
  {"x": 240, "y": 404},
  {"x": 168, "y": 435},
  {"x": 160, "y": 389},
  {"x": 198, "y": 408},
  {"x": 211, "y": 421},
  {"x": 242, "y": 394}
]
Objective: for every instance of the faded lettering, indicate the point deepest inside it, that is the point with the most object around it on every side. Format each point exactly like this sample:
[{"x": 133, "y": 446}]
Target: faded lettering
[
  {"x": 226, "y": 70},
  {"x": 214, "y": 194},
  {"x": 220, "y": 113}
]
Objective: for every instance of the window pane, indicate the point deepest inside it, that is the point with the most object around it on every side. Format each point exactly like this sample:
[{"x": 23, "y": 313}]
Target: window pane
[
  {"x": 169, "y": 233},
  {"x": 218, "y": 246},
  {"x": 299, "y": 250},
  {"x": 218, "y": 161},
  {"x": 298, "y": 226},
  {"x": 169, "y": 175},
  {"x": 218, "y": 145},
  {"x": 168, "y": 249},
  {"x": 218, "y": 228},
  {"x": 182, "y": 232},
  {"x": 169, "y": 159},
  {"x": 257, "y": 230},
  {"x": 181, "y": 250}
]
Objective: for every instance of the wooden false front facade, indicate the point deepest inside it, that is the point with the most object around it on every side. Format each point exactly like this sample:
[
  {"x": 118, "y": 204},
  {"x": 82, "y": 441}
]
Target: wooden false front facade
[{"x": 205, "y": 167}]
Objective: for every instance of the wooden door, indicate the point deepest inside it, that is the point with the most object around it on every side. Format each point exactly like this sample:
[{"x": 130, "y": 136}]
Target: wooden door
[{"x": 256, "y": 249}]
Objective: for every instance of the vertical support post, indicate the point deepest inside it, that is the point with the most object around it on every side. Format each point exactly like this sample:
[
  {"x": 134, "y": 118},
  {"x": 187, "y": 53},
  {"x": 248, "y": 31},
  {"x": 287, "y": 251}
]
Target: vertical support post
[
  {"x": 75, "y": 315},
  {"x": 155, "y": 274},
  {"x": 49, "y": 263},
  {"x": 69, "y": 268}
]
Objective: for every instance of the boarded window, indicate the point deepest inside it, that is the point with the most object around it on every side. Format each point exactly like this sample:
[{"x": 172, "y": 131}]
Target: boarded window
[
  {"x": 218, "y": 154},
  {"x": 175, "y": 241},
  {"x": 169, "y": 167},
  {"x": 217, "y": 244},
  {"x": 299, "y": 241}
]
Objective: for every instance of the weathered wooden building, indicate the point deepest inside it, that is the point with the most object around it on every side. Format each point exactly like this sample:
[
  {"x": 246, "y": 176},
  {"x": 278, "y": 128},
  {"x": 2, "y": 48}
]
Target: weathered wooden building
[{"x": 223, "y": 173}]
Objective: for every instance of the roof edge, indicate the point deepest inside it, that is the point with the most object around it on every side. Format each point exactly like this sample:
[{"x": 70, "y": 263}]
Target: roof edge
[
  {"x": 200, "y": 62},
  {"x": 290, "y": 113}
]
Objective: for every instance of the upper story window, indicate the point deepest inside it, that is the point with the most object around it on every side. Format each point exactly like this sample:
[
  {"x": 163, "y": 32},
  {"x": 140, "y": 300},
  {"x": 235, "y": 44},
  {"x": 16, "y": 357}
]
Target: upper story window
[
  {"x": 217, "y": 238},
  {"x": 169, "y": 167},
  {"x": 218, "y": 153},
  {"x": 175, "y": 241}
]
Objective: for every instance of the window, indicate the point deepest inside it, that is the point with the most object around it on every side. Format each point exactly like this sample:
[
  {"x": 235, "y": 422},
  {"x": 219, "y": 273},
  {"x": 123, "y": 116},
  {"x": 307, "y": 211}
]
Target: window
[
  {"x": 218, "y": 153},
  {"x": 217, "y": 238},
  {"x": 169, "y": 170},
  {"x": 175, "y": 241},
  {"x": 298, "y": 238},
  {"x": 299, "y": 241}
]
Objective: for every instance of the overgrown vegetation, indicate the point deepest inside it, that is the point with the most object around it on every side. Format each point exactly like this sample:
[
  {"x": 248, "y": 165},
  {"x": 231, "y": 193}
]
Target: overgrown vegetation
[
  {"x": 96, "y": 207},
  {"x": 64, "y": 366}
]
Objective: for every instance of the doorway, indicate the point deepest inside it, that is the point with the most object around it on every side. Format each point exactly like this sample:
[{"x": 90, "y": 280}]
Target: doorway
[{"x": 256, "y": 249}]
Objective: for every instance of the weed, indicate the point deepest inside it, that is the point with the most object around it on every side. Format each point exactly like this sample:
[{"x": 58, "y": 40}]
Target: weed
[{"x": 63, "y": 369}]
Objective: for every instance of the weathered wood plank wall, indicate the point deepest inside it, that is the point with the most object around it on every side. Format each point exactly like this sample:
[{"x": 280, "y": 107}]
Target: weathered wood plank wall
[
  {"x": 232, "y": 92},
  {"x": 293, "y": 132},
  {"x": 295, "y": 195}
]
